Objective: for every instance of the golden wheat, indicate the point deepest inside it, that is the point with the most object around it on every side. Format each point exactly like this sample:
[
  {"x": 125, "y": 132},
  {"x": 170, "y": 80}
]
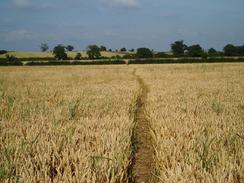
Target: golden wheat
[
  {"x": 65, "y": 124},
  {"x": 197, "y": 116},
  {"x": 75, "y": 123}
]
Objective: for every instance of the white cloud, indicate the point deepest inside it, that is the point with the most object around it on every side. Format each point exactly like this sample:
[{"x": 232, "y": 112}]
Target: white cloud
[
  {"x": 126, "y": 3},
  {"x": 22, "y": 3}
]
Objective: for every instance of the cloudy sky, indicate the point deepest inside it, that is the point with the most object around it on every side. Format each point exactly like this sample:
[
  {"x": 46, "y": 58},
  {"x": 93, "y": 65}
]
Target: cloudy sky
[{"x": 25, "y": 24}]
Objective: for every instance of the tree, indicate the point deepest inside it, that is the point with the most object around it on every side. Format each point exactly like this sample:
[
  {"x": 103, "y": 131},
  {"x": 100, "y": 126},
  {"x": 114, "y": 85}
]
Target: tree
[
  {"x": 195, "y": 51},
  {"x": 70, "y": 48},
  {"x": 59, "y": 52},
  {"x": 230, "y": 50},
  {"x": 44, "y": 47},
  {"x": 240, "y": 50},
  {"x": 212, "y": 52},
  {"x": 132, "y": 50},
  {"x": 11, "y": 58},
  {"x": 78, "y": 56},
  {"x": 3, "y": 52},
  {"x": 110, "y": 50},
  {"x": 221, "y": 53},
  {"x": 178, "y": 48},
  {"x": 103, "y": 48},
  {"x": 123, "y": 49},
  {"x": 93, "y": 52},
  {"x": 144, "y": 53}
]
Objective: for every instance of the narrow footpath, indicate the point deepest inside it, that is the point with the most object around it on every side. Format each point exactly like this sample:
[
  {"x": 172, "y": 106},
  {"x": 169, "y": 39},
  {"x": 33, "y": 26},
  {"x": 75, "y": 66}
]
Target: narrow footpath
[{"x": 143, "y": 166}]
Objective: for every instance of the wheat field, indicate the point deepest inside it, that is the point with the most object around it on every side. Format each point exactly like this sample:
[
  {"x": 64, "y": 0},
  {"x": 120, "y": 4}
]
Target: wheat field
[
  {"x": 75, "y": 123},
  {"x": 65, "y": 124},
  {"x": 197, "y": 117}
]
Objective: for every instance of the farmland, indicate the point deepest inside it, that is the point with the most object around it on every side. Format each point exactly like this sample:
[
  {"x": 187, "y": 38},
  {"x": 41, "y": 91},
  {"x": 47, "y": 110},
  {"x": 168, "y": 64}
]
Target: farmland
[
  {"x": 197, "y": 118},
  {"x": 19, "y": 54},
  {"x": 65, "y": 124},
  {"x": 151, "y": 123}
]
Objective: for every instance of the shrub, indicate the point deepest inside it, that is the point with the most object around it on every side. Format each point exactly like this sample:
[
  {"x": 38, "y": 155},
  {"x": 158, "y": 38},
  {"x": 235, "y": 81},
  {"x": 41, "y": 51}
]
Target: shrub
[
  {"x": 160, "y": 55},
  {"x": 78, "y": 56},
  {"x": 123, "y": 49},
  {"x": 185, "y": 60},
  {"x": 212, "y": 52},
  {"x": 129, "y": 56},
  {"x": 144, "y": 53},
  {"x": 3, "y": 52},
  {"x": 36, "y": 59},
  {"x": 11, "y": 58},
  {"x": 104, "y": 57},
  {"x": 107, "y": 62}
]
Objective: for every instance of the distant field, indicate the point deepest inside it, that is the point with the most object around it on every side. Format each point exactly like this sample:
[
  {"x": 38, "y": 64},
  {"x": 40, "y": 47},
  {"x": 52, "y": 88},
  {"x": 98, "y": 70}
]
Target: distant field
[
  {"x": 49, "y": 54},
  {"x": 82, "y": 123}
]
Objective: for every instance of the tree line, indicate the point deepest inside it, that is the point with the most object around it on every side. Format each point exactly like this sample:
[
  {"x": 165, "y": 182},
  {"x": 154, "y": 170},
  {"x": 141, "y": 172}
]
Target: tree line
[{"x": 178, "y": 49}]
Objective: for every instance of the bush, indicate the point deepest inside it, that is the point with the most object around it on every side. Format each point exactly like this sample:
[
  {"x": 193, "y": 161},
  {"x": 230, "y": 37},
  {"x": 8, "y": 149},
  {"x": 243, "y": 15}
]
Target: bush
[
  {"x": 116, "y": 57},
  {"x": 232, "y": 50},
  {"x": 144, "y": 53},
  {"x": 6, "y": 63},
  {"x": 78, "y": 56},
  {"x": 212, "y": 52},
  {"x": 11, "y": 58},
  {"x": 185, "y": 60},
  {"x": 104, "y": 57},
  {"x": 107, "y": 62},
  {"x": 36, "y": 59},
  {"x": 161, "y": 55},
  {"x": 123, "y": 49},
  {"x": 3, "y": 52},
  {"x": 129, "y": 56}
]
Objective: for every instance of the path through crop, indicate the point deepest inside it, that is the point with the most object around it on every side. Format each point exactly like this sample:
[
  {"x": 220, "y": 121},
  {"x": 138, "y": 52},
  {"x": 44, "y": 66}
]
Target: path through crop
[{"x": 143, "y": 166}]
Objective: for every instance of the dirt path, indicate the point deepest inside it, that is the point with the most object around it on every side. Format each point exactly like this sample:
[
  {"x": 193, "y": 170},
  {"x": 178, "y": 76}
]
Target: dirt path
[{"x": 143, "y": 161}]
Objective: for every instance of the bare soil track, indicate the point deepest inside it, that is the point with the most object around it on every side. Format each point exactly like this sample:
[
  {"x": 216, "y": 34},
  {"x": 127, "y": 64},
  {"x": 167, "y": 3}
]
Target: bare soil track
[{"x": 143, "y": 166}]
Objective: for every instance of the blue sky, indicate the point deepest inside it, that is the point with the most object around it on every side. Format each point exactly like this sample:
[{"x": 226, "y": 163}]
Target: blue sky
[{"x": 25, "y": 24}]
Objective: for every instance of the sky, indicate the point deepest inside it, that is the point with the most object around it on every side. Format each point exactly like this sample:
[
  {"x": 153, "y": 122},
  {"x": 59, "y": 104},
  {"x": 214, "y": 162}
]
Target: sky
[{"x": 25, "y": 24}]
